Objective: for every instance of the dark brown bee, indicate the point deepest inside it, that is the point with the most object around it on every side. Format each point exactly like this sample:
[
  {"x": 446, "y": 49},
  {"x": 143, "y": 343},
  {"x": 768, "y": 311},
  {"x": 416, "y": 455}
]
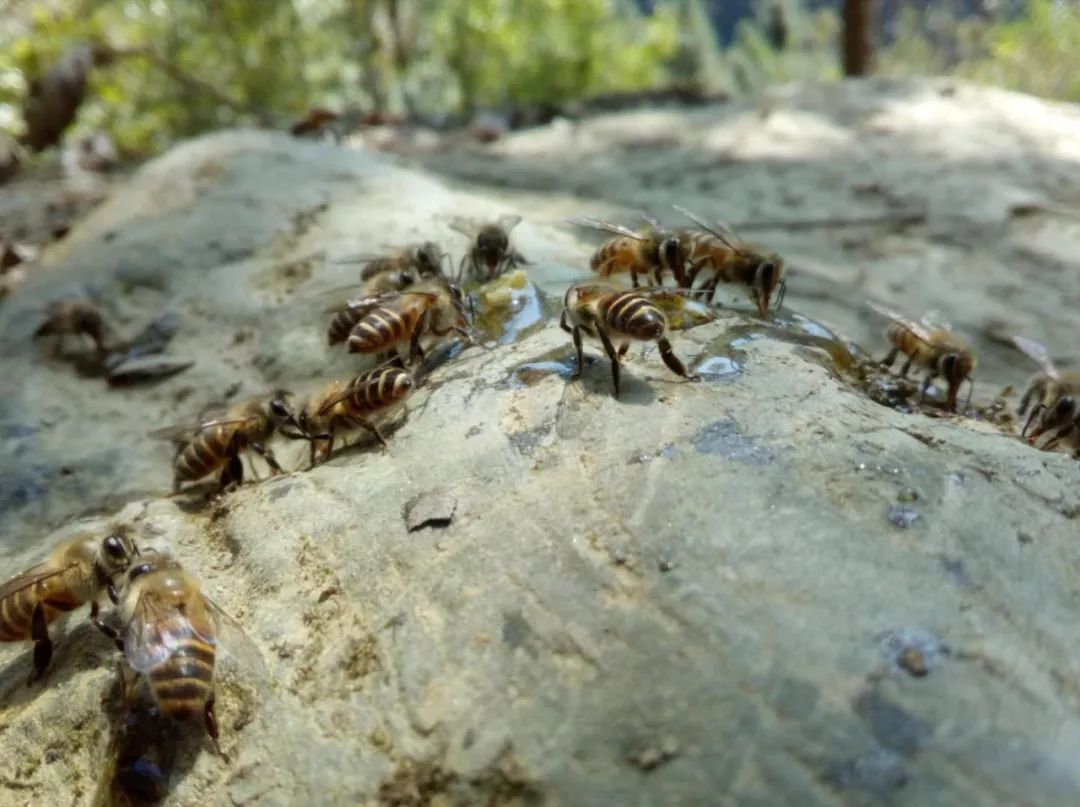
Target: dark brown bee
[
  {"x": 386, "y": 321},
  {"x": 74, "y": 317},
  {"x": 170, "y": 633},
  {"x": 1052, "y": 391},
  {"x": 355, "y": 403},
  {"x": 217, "y": 440},
  {"x": 491, "y": 253},
  {"x": 612, "y": 315},
  {"x": 75, "y": 573},
  {"x": 317, "y": 120},
  {"x": 719, "y": 255},
  {"x": 653, "y": 250},
  {"x": 933, "y": 347}
]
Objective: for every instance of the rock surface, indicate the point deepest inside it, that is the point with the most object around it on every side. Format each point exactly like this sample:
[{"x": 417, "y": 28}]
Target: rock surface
[{"x": 762, "y": 588}]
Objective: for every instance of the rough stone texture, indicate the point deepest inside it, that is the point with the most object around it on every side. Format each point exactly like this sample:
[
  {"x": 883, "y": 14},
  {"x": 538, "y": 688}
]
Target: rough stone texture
[{"x": 764, "y": 588}]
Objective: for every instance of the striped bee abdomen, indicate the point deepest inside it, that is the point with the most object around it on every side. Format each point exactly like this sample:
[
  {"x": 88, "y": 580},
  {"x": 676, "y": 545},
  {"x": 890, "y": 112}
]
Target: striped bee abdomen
[
  {"x": 380, "y": 389},
  {"x": 15, "y": 614},
  {"x": 633, "y": 315},
  {"x": 341, "y": 324},
  {"x": 184, "y": 684},
  {"x": 205, "y": 453},
  {"x": 383, "y": 328}
]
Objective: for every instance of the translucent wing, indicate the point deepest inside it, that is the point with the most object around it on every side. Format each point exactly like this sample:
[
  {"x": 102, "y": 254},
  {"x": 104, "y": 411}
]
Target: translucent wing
[
  {"x": 336, "y": 398},
  {"x": 325, "y": 296},
  {"x": 1037, "y": 352},
  {"x": 35, "y": 574},
  {"x": 359, "y": 304},
  {"x": 607, "y": 227},
  {"x": 508, "y": 222},
  {"x": 362, "y": 257},
  {"x": 233, "y": 640},
  {"x": 918, "y": 330},
  {"x": 157, "y": 630},
  {"x": 466, "y": 226},
  {"x": 721, "y": 231},
  {"x": 935, "y": 320},
  {"x": 649, "y": 221},
  {"x": 186, "y": 430}
]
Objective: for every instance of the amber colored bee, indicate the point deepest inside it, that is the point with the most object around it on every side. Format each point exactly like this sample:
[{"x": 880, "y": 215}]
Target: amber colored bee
[
  {"x": 491, "y": 253},
  {"x": 314, "y": 123},
  {"x": 217, "y": 439},
  {"x": 74, "y": 573},
  {"x": 354, "y": 403},
  {"x": 170, "y": 633},
  {"x": 1053, "y": 391},
  {"x": 933, "y": 347},
  {"x": 74, "y": 317},
  {"x": 724, "y": 258},
  {"x": 612, "y": 315},
  {"x": 653, "y": 250},
  {"x": 385, "y": 321}
]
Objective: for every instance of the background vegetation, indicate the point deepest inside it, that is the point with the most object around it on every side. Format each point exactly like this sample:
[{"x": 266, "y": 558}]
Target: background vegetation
[{"x": 158, "y": 70}]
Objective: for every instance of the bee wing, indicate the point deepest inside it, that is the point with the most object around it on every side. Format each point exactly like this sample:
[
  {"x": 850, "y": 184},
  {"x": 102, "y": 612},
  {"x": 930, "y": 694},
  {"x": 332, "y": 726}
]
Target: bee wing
[
  {"x": 335, "y": 293},
  {"x": 157, "y": 629},
  {"x": 934, "y": 320},
  {"x": 650, "y": 221},
  {"x": 721, "y": 231},
  {"x": 186, "y": 430},
  {"x": 361, "y": 257},
  {"x": 234, "y": 641},
  {"x": 917, "y": 329},
  {"x": 606, "y": 226},
  {"x": 1037, "y": 352},
  {"x": 357, "y": 304},
  {"x": 336, "y": 398},
  {"x": 466, "y": 226},
  {"x": 35, "y": 574},
  {"x": 508, "y": 221}
]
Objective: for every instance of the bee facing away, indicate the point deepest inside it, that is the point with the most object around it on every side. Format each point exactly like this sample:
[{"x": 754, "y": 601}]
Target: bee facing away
[
  {"x": 653, "y": 250},
  {"x": 74, "y": 317},
  {"x": 355, "y": 403},
  {"x": 1052, "y": 391},
  {"x": 491, "y": 253},
  {"x": 724, "y": 258},
  {"x": 170, "y": 633},
  {"x": 933, "y": 347},
  {"x": 421, "y": 260},
  {"x": 612, "y": 315},
  {"x": 74, "y": 573},
  {"x": 385, "y": 321},
  {"x": 217, "y": 440}
]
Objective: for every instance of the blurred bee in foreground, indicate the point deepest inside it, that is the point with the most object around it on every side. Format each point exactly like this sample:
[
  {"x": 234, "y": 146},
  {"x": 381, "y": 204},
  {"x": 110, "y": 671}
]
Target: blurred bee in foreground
[
  {"x": 142, "y": 749},
  {"x": 932, "y": 346},
  {"x": 725, "y": 258},
  {"x": 170, "y": 633},
  {"x": 74, "y": 317},
  {"x": 612, "y": 315},
  {"x": 653, "y": 250},
  {"x": 74, "y": 573},
  {"x": 491, "y": 253},
  {"x": 386, "y": 321},
  {"x": 375, "y": 392},
  {"x": 1052, "y": 392},
  {"x": 216, "y": 441}
]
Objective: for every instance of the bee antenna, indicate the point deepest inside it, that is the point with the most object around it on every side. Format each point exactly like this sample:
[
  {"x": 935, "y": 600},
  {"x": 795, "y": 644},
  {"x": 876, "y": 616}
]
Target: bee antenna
[{"x": 783, "y": 291}]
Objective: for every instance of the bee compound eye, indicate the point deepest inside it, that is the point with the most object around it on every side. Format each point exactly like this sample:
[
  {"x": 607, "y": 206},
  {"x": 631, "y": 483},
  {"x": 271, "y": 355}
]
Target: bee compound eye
[
  {"x": 114, "y": 547},
  {"x": 139, "y": 570}
]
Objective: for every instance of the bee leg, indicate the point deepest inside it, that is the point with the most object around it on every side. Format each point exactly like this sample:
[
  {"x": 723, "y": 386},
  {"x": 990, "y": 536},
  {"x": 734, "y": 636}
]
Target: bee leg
[
  {"x": 613, "y": 355},
  {"x": 925, "y": 386},
  {"x": 210, "y": 722},
  {"x": 888, "y": 361},
  {"x": 672, "y": 361},
  {"x": 1034, "y": 411},
  {"x": 371, "y": 427},
  {"x": 43, "y": 646},
  {"x": 108, "y": 630},
  {"x": 633, "y": 278},
  {"x": 623, "y": 348},
  {"x": 579, "y": 366},
  {"x": 563, "y": 324},
  {"x": 415, "y": 351},
  {"x": 233, "y": 472},
  {"x": 906, "y": 366},
  {"x": 267, "y": 455}
]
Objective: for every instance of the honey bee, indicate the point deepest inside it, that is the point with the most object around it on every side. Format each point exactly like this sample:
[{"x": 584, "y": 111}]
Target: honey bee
[
  {"x": 1052, "y": 391},
  {"x": 931, "y": 346},
  {"x": 610, "y": 315},
  {"x": 491, "y": 253},
  {"x": 74, "y": 317},
  {"x": 714, "y": 249},
  {"x": 385, "y": 321},
  {"x": 652, "y": 250},
  {"x": 221, "y": 434},
  {"x": 74, "y": 573},
  {"x": 355, "y": 403},
  {"x": 420, "y": 261},
  {"x": 170, "y": 634}
]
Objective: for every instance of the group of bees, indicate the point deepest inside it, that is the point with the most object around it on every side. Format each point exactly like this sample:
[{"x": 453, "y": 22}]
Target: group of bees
[{"x": 168, "y": 629}]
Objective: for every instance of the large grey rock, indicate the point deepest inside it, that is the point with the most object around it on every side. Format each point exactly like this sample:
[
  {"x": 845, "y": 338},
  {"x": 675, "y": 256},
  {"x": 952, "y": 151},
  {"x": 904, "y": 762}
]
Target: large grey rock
[{"x": 762, "y": 588}]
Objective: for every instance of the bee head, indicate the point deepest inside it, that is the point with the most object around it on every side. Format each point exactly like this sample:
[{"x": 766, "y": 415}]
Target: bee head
[
  {"x": 151, "y": 561},
  {"x": 767, "y": 276},
  {"x": 492, "y": 244},
  {"x": 281, "y": 410},
  {"x": 1059, "y": 415},
  {"x": 117, "y": 552}
]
